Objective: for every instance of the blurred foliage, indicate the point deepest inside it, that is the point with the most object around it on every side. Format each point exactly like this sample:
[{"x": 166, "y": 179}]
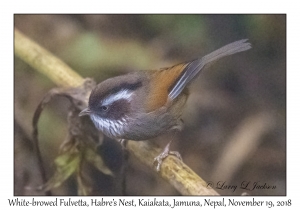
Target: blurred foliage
[{"x": 225, "y": 95}]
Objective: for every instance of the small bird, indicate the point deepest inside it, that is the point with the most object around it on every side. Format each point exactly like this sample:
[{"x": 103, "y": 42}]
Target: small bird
[{"x": 145, "y": 104}]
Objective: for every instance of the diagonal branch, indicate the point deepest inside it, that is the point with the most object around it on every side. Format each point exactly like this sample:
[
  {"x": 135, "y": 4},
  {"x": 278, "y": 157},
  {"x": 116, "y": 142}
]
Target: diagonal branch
[
  {"x": 43, "y": 61},
  {"x": 179, "y": 175}
]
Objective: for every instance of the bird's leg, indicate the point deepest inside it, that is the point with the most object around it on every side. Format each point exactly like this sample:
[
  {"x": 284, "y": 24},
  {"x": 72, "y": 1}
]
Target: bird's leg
[
  {"x": 123, "y": 143},
  {"x": 166, "y": 152}
]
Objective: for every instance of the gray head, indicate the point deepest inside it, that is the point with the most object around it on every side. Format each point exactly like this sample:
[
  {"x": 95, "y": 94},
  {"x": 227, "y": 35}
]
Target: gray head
[{"x": 110, "y": 104}]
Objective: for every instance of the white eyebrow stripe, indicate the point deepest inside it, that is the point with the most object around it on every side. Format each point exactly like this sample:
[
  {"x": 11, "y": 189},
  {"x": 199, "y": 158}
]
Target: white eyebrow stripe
[{"x": 122, "y": 94}]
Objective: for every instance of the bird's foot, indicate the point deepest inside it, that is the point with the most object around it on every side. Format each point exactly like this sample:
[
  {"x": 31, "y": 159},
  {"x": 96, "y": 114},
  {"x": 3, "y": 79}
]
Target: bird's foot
[{"x": 166, "y": 152}]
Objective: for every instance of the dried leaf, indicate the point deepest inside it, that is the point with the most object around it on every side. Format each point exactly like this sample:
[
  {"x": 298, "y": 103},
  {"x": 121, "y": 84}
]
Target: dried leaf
[
  {"x": 66, "y": 164},
  {"x": 83, "y": 188},
  {"x": 80, "y": 144},
  {"x": 96, "y": 160}
]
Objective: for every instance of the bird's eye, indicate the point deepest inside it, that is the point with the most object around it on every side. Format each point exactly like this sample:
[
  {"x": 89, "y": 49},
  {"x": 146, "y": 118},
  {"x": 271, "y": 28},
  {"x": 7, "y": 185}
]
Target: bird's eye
[{"x": 104, "y": 108}]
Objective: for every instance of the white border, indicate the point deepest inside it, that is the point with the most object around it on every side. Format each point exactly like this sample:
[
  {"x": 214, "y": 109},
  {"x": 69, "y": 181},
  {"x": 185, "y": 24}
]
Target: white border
[{"x": 8, "y": 8}]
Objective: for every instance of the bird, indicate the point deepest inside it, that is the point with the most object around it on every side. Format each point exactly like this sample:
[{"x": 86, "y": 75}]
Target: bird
[{"x": 142, "y": 105}]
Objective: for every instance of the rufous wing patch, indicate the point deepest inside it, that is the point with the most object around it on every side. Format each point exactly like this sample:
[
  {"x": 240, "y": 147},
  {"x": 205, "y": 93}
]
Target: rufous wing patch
[{"x": 160, "y": 83}]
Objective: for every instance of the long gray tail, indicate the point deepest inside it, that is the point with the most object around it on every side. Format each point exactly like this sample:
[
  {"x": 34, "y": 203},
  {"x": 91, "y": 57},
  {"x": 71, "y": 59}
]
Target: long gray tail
[{"x": 194, "y": 67}]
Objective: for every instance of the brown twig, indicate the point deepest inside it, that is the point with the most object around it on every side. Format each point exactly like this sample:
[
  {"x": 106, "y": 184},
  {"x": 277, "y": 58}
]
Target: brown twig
[{"x": 36, "y": 117}]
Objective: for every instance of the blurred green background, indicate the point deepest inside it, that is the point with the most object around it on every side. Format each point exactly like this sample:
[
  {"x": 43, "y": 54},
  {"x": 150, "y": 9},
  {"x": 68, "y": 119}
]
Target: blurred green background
[{"x": 235, "y": 118}]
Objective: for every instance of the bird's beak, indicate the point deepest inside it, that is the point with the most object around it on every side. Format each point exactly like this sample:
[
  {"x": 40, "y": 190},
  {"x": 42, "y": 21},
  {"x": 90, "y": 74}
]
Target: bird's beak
[{"x": 86, "y": 111}]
